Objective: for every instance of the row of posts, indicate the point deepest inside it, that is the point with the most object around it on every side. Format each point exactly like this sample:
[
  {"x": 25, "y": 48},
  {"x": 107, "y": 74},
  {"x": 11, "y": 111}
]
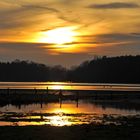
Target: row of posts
[{"x": 60, "y": 94}]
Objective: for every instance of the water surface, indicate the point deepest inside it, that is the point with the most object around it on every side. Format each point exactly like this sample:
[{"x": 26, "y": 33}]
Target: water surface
[
  {"x": 69, "y": 86},
  {"x": 68, "y": 113}
]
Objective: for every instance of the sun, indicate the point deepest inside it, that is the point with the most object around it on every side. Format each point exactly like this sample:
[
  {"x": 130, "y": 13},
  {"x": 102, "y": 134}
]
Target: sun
[{"x": 58, "y": 36}]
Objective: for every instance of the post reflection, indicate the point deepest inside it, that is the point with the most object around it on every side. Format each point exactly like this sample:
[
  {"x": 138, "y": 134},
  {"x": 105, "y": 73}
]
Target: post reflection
[{"x": 70, "y": 113}]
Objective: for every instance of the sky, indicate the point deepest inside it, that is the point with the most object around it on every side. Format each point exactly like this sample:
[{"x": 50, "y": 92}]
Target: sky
[{"x": 68, "y": 32}]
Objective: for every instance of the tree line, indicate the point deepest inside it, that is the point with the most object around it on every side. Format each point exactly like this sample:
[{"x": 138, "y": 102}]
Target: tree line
[
  {"x": 121, "y": 69},
  {"x": 30, "y": 71}
]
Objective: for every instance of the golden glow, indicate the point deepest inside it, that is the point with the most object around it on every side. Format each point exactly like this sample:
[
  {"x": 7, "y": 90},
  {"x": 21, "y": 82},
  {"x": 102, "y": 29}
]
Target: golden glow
[
  {"x": 68, "y": 115},
  {"x": 57, "y": 87},
  {"x": 65, "y": 109},
  {"x": 59, "y": 120},
  {"x": 58, "y": 36}
]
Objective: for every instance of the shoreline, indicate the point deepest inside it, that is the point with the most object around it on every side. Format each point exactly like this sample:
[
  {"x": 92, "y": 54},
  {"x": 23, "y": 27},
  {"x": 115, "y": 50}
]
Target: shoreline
[{"x": 129, "y": 130}]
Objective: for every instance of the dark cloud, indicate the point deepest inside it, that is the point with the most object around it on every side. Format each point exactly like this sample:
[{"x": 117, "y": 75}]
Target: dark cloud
[
  {"x": 119, "y": 37},
  {"x": 68, "y": 19},
  {"x": 52, "y": 28},
  {"x": 24, "y": 46},
  {"x": 40, "y": 7},
  {"x": 108, "y": 38},
  {"x": 136, "y": 34},
  {"x": 114, "y": 5}
]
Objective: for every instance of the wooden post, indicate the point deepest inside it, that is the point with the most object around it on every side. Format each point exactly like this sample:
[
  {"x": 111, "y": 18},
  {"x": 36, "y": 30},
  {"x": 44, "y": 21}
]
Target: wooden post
[
  {"x": 19, "y": 106},
  {"x": 47, "y": 90},
  {"x": 60, "y": 102},
  {"x": 77, "y": 99},
  {"x": 95, "y": 95},
  {"x": 41, "y": 105},
  {"x": 8, "y": 91},
  {"x": 35, "y": 90},
  {"x": 60, "y": 97},
  {"x": 111, "y": 94}
]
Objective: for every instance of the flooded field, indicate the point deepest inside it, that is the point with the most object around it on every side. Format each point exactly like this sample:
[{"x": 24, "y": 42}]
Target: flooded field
[
  {"x": 68, "y": 113},
  {"x": 60, "y": 104}
]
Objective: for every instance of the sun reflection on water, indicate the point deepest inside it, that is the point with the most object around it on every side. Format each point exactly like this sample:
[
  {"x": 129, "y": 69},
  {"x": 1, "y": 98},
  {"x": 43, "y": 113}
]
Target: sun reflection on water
[
  {"x": 60, "y": 87},
  {"x": 59, "y": 120},
  {"x": 67, "y": 115},
  {"x": 57, "y": 87}
]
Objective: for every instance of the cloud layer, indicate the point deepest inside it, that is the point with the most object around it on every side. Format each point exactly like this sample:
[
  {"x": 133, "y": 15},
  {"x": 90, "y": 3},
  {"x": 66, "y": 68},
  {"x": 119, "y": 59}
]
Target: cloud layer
[
  {"x": 104, "y": 27},
  {"x": 114, "y": 5}
]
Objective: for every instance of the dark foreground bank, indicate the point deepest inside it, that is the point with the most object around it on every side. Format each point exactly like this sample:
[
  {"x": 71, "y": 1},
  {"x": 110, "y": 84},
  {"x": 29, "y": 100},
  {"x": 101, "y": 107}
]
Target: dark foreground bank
[{"x": 129, "y": 129}]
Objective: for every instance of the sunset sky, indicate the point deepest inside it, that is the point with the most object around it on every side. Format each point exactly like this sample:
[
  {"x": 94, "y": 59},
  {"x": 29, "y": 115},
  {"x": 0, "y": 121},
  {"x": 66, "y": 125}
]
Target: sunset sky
[{"x": 68, "y": 32}]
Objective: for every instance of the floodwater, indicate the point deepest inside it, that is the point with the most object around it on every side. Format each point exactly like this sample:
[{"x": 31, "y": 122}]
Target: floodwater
[
  {"x": 69, "y": 86},
  {"x": 56, "y": 114},
  {"x": 66, "y": 112}
]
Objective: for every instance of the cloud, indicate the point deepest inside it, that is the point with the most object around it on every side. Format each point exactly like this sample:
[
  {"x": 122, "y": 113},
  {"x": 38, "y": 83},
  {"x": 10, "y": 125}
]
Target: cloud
[
  {"x": 51, "y": 28},
  {"x": 104, "y": 40},
  {"x": 105, "y": 44},
  {"x": 119, "y": 37},
  {"x": 24, "y": 15},
  {"x": 108, "y": 38},
  {"x": 114, "y": 5},
  {"x": 136, "y": 34},
  {"x": 67, "y": 19},
  {"x": 40, "y": 7},
  {"x": 24, "y": 46},
  {"x": 32, "y": 51}
]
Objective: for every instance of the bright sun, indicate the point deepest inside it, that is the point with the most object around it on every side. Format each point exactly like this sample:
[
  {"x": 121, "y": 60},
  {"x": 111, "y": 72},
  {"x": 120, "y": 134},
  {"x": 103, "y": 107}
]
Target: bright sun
[{"x": 58, "y": 36}]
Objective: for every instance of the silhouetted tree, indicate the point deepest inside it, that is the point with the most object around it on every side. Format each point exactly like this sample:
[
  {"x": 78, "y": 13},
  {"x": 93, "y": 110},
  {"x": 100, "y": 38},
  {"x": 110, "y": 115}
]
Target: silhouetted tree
[
  {"x": 29, "y": 71},
  {"x": 123, "y": 69}
]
